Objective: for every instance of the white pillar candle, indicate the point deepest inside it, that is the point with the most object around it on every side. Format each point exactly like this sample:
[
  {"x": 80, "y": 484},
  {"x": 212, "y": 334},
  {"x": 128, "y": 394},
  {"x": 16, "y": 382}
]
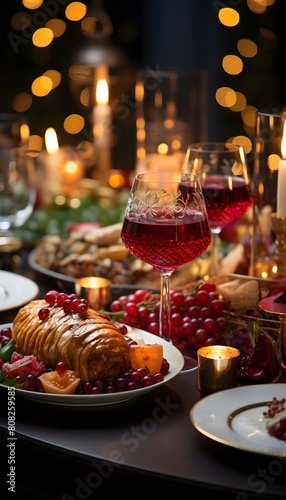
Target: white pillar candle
[
  {"x": 102, "y": 129},
  {"x": 281, "y": 181},
  {"x": 49, "y": 171}
]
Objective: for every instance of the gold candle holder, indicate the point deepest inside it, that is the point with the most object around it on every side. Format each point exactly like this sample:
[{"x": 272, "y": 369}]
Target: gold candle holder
[
  {"x": 278, "y": 225},
  {"x": 217, "y": 368},
  {"x": 95, "y": 290}
]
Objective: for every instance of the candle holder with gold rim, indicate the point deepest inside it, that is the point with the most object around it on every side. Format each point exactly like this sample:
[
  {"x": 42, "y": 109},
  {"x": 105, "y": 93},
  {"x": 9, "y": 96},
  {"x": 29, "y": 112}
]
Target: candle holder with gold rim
[{"x": 278, "y": 225}]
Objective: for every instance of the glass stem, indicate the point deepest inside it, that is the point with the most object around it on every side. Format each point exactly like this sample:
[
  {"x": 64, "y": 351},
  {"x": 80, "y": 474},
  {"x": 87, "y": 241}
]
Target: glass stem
[
  {"x": 214, "y": 266},
  {"x": 164, "y": 319}
]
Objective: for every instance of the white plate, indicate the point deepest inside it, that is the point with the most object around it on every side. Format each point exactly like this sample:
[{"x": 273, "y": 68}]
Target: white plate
[
  {"x": 234, "y": 417},
  {"x": 15, "y": 290},
  {"x": 171, "y": 353}
]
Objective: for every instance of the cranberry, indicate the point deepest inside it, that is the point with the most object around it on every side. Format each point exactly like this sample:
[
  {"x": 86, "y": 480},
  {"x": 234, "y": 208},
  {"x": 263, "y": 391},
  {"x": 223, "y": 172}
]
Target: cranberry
[
  {"x": 44, "y": 313},
  {"x": 61, "y": 367}
]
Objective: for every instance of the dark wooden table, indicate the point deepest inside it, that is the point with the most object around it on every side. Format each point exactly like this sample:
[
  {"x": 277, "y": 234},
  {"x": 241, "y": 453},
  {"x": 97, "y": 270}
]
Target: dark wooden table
[{"x": 138, "y": 449}]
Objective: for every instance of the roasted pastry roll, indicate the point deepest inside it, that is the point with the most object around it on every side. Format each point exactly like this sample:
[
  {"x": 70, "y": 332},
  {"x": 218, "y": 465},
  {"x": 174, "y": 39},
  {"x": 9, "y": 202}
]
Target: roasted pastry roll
[{"x": 91, "y": 345}]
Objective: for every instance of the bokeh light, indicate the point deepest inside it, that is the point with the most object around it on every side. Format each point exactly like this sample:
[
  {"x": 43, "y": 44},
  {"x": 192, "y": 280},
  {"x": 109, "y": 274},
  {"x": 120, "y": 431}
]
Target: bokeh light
[
  {"x": 75, "y": 11},
  {"x": 228, "y": 17},
  {"x": 73, "y": 124},
  {"x": 232, "y": 64},
  {"x": 42, "y": 37}
]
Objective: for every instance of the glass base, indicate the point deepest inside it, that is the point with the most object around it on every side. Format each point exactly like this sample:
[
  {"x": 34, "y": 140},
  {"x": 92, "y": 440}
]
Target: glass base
[{"x": 190, "y": 364}]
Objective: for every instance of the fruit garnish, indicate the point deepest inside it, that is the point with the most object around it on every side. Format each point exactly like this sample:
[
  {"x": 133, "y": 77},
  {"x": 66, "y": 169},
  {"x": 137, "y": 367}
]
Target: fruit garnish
[
  {"x": 197, "y": 316},
  {"x": 6, "y": 350},
  {"x": 274, "y": 407},
  {"x": 60, "y": 382},
  {"x": 22, "y": 371},
  {"x": 148, "y": 356},
  {"x": 278, "y": 428},
  {"x": 274, "y": 303},
  {"x": 70, "y": 303},
  {"x": 258, "y": 360}
]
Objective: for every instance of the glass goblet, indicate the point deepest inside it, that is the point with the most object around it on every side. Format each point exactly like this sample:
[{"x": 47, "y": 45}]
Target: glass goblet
[
  {"x": 223, "y": 172},
  {"x": 166, "y": 225},
  {"x": 17, "y": 193}
]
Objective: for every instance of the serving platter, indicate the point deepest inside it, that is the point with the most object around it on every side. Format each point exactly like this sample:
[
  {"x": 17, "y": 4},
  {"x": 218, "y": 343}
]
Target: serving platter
[
  {"x": 171, "y": 353},
  {"x": 234, "y": 417},
  {"x": 68, "y": 282},
  {"x": 15, "y": 290}
]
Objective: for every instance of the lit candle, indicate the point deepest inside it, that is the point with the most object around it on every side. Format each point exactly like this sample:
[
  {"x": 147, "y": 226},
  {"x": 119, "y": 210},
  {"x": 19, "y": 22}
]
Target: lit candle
[
  {"x": 102, "y": 132},
  {"x": 95, "y": 290},
  {"x": 281, "y": 181},
  {"x": 49, "y": 173},
  {"x": 61, "y": 169},
  {"x": 51, "y": 141},
  {"x": 72, "y": 172},
  {"x": 217, "y": 368}
]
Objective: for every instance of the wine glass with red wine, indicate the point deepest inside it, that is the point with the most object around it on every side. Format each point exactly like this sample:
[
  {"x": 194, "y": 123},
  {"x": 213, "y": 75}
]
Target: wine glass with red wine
[
  {"x": 223, "y": 172},
  {"x": 166, "y": 225}
]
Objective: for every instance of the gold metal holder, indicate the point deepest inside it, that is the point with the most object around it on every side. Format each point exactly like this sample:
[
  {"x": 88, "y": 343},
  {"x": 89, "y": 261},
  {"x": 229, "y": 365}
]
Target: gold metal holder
[
  {"x": 217, "y": 368},
  {"x": 96, "y": 290},
  {"x": 279, "y": 228}
]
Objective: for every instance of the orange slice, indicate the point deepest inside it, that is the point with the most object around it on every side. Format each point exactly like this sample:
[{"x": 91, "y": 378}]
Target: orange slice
[
  {"x": 60, "y": 382},
  {"x": 148, "y": 356}
]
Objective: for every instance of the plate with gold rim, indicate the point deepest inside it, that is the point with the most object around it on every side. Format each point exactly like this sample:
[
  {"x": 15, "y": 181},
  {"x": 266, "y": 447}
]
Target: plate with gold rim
[
  {"x": 171, "y": 353},
  {"x": 234, "y": 417}
]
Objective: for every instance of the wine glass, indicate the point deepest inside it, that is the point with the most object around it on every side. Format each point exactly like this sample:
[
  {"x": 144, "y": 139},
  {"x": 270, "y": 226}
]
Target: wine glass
[
  {"x": 17, "y": 193},
  {"x": 166, "y": 225},
  {"x": 224, "y": 177}
]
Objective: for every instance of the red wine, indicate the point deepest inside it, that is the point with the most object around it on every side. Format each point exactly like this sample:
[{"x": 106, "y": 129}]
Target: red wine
[
  {"x": 166, "y": 246},
  {"x": 223, "y": 204}
]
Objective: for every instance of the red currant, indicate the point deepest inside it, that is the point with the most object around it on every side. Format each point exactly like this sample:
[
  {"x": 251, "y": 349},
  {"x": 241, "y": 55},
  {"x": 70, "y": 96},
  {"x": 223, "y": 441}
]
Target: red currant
[
  {"x": 116, "y": 306},
  {"x": 51, "y": 297},
  {"x": 208, "y": 285},
  {"x": 141, "y": 295},
  {"x": 61, "y": 367},
  {"x": 6, "y": 332},
  {"x": 82, "y": 308},
  {"x": 202, "y": 297},
  {"x": 44, "y": 313},
  {"x": 61, "y": 297}
]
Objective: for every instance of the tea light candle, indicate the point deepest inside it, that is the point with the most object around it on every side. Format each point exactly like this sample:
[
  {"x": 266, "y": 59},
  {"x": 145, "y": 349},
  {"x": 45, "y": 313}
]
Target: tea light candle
[
  {"x": 217, "y": 368},
  {"x": 281, "y": 181},
  {"x": 95, "y": 290}
]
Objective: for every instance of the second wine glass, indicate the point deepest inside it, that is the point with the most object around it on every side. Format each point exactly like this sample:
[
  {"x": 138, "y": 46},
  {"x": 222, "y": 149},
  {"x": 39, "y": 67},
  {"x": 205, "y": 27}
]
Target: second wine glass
[
  {"x": 166, "y": 225},
  {"x": 223, "y": 172},
  {"x": 17, "y": 193}
]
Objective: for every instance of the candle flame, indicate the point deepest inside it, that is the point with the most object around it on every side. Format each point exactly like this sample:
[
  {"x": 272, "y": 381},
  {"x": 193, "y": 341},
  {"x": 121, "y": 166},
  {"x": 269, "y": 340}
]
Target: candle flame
[
  {"x": 102, "y": 91},
  {"x": 72, "y": 172},
  {"x": 51, "y": 141},
  {"x": 283, "y": 143},
  {"x": 71, "y": 167}
]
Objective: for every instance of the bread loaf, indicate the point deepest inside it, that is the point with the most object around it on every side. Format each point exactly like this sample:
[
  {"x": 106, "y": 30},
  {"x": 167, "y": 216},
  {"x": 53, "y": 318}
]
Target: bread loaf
[
  {"x": 91, "y": 345},
  {"x": 240, "y": 296}
]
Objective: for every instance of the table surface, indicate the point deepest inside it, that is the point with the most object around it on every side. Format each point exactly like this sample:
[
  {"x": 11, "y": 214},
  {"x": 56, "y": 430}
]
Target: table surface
[{"x": 149, "y": 438}]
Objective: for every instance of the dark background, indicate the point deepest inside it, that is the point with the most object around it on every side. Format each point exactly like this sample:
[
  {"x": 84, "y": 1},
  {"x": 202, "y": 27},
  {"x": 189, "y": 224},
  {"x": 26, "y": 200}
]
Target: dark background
[{"x": 170, "y": 34}]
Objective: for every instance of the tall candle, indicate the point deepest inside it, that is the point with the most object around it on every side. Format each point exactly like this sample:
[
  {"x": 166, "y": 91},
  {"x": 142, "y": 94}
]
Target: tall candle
[
  {"x": 49, "y": 172},
  {"x": 102, "y": 132},
  {"x": 281, "y": 181}
]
